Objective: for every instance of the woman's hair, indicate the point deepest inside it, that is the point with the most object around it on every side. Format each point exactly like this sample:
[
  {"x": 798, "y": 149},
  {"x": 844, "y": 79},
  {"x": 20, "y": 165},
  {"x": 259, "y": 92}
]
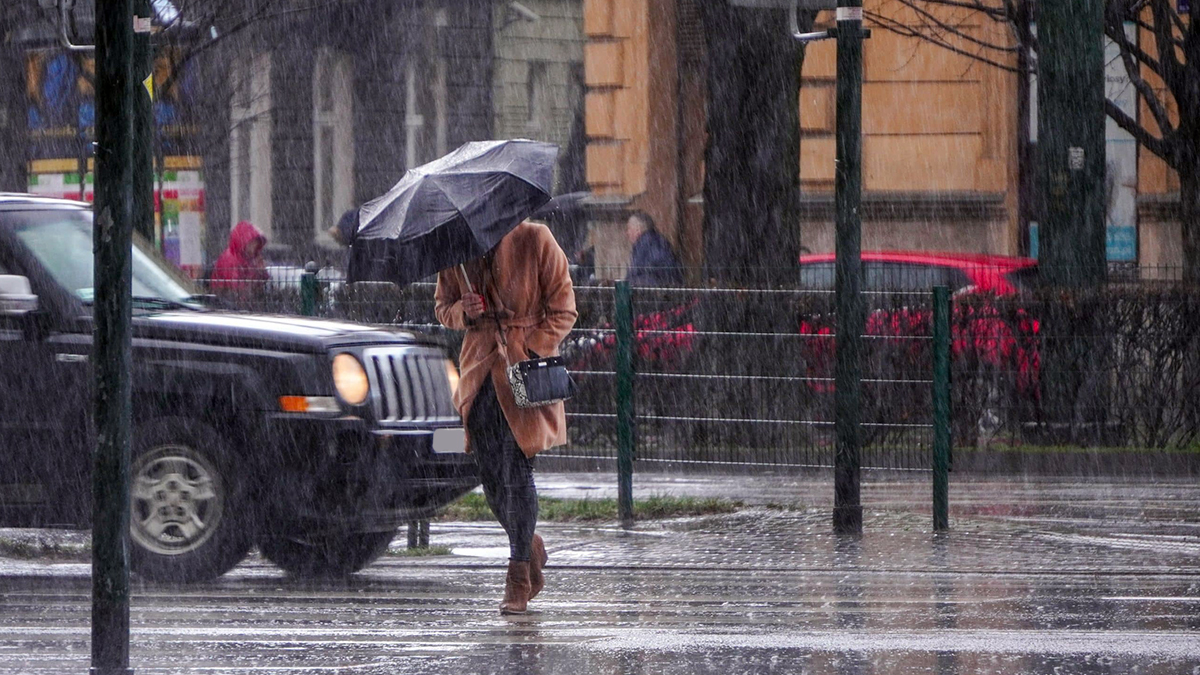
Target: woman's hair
[{"x": 646, "y": 220}]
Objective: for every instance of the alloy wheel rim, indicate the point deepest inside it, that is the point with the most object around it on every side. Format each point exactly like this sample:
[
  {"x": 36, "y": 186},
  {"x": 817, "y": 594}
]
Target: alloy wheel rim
[{"x": 176, "y": 500}]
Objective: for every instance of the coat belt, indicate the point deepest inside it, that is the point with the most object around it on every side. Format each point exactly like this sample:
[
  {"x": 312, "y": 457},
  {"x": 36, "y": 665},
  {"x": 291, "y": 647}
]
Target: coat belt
[{"x": 488, "y": 322}]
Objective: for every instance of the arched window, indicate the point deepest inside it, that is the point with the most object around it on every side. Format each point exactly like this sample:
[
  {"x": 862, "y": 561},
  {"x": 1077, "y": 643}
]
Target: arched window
[
  {"x": 426, "y": 96},
  {"x": 250, "y": 144},
  {"x": 333, "y": 140}
]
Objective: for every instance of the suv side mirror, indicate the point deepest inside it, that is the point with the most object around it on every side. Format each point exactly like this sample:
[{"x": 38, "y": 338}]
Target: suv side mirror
[{"x": 16, "y": 296}]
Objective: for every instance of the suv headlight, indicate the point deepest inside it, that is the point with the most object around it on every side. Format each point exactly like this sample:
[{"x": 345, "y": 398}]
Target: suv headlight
[{"x": 350, "y": 379}]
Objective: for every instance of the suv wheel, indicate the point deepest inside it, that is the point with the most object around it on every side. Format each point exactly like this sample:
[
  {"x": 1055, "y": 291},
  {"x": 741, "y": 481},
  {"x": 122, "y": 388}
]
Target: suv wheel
[
  {"x": 329, "y": 556},
  {"x": 186, "y": 504}
]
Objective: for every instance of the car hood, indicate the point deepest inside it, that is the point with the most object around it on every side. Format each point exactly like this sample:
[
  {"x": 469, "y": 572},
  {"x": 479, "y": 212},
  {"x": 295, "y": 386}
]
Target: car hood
[{"x": 288, "y": 333}]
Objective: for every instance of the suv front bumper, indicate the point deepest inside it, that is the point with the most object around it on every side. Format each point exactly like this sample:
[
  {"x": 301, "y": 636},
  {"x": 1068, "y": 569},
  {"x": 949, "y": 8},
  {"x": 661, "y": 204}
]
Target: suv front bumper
[{"x": 340, "y": 475}]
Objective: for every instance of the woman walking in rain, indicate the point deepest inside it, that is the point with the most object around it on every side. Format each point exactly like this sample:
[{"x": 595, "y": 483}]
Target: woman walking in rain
[{"x": 517, "y": 298}]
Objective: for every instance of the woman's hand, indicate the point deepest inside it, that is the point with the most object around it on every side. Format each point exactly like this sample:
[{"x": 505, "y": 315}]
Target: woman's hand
[{"x": 472, "y": 304}]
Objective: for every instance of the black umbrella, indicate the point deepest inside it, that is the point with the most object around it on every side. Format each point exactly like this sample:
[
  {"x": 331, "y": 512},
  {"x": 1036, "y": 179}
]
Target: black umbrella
[{"x": 451, "y": 210}]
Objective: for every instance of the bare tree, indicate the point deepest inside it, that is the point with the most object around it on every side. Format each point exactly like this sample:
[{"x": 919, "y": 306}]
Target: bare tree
[
  {"x": 1165, "y": 73},
  {"x": 752, "y": 160}
]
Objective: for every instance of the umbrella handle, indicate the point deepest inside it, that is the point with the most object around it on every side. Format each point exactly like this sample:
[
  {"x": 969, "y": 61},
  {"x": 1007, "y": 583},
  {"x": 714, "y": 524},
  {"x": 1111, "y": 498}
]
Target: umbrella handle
[{"x": 463, "y": 267}]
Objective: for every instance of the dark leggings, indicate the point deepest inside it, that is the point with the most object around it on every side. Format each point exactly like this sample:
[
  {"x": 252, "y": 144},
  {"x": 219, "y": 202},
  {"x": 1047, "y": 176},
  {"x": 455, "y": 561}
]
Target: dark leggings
[{"x": 506, "y": 472}]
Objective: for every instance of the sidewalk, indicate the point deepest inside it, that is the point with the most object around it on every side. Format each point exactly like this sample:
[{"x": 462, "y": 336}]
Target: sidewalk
[{"x": 1048, "y": 578}]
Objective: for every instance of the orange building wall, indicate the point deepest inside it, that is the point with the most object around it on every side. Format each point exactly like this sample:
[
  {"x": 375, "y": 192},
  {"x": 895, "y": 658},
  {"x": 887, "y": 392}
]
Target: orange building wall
[{"x": 933, "y": 121}]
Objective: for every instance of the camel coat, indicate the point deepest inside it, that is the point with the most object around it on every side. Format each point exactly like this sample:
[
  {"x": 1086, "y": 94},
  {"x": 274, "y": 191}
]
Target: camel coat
[{"x": 528, "y": 285}]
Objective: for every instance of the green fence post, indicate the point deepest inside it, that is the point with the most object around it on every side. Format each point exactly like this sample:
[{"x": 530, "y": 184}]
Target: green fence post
[
  {"x": 941, "y": 408},
  {"x": 308, "y": 290},
  {"x": 625, "y": 439}
]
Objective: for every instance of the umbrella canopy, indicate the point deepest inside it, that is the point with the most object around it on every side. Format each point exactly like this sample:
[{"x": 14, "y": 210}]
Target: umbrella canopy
[{"x": 451, "y": 210}]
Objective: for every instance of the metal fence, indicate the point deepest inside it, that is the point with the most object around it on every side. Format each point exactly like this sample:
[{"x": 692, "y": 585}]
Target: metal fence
[
  {"x": 1115, "y": 368},
  {"x": 721, "y": 376},
  {"x": 727, "y": 376}
]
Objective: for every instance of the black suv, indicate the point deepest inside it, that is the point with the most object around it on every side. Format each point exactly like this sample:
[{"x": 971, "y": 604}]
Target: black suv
[{"x": 314, "y": 440}]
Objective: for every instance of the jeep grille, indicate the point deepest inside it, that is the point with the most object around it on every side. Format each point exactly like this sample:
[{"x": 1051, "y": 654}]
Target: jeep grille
[{"x": 409, "y": 385}]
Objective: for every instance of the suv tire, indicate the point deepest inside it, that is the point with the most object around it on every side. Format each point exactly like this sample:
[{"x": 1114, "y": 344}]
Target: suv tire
[
  {"x": 329, "y": 556},
  {"x": 187, "y": 503}
]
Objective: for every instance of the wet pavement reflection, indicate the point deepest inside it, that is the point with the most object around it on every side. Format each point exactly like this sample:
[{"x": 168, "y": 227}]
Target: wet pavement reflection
[{"x": 1033, "y": 578}]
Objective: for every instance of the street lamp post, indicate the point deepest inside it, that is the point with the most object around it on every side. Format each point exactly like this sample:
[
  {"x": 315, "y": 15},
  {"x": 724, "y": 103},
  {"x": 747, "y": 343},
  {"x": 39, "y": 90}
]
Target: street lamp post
[
  {"x": 112, "y": 351},
  {"x": 851, "y": 311}
]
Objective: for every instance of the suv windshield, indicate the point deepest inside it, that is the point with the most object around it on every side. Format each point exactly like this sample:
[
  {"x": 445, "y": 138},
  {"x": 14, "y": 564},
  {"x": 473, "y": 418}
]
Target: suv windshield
[{"x": 61, "y": 240}]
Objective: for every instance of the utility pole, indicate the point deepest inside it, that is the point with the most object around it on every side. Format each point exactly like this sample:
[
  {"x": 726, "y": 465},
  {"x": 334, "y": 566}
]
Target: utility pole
[
  {"x": 847, "y": 196},
  {"x": 1071, "y": 241},
  {"x": 851, "y": 311},
  {"x": 112, "y": 351}
]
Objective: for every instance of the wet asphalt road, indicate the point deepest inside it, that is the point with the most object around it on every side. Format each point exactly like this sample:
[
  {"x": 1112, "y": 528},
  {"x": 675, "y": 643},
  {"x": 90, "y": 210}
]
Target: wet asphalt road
[{"x": 1034, "y": 578}]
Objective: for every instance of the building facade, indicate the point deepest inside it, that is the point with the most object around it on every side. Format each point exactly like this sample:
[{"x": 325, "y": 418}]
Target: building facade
[
  {"x": 941, "y": 142},
  {"x": 537, "y": 77},
  {"x": 286, "y": 120}
]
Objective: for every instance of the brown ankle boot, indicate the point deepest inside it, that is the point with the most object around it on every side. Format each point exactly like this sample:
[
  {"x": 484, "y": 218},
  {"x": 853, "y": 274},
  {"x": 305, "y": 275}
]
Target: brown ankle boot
[
  {"x": 537, "y": 560},
  {"x": 516, "y": 588}
]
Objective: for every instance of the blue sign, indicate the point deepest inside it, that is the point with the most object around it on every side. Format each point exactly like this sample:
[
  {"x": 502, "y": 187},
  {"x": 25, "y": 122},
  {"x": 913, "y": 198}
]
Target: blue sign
[
  {"x": 1121, "y": 243},
  {"x": 1184, "y": 6}
]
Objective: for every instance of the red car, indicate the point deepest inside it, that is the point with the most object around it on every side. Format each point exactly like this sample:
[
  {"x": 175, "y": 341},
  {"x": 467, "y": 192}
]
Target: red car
[
  {"x": 921, "y": 271},
  {"x": 984, "y": 333}
]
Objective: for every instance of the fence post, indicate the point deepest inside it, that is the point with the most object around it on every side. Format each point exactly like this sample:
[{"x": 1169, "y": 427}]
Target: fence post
[
  {"x": 625, "y": 437},
  {"x": 308, "y": 290},
  {"x": 941, "y": 408}
]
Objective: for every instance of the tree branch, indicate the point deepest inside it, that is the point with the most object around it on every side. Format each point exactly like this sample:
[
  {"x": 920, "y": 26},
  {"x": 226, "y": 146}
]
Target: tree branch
[
  {"x": 1161, "y": 147},
  {"x": 1163, "y": 38},
  {"x": 994, "y": 13},
  {"x": 1161, "y": 117},
  {"x": 954, "y": 30},
  {"x": 891, "y": 25}
]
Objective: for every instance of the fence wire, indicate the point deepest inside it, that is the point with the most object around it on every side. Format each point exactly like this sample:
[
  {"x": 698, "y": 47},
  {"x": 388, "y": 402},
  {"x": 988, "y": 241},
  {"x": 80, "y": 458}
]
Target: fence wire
[{"x": 732, "y": 376}]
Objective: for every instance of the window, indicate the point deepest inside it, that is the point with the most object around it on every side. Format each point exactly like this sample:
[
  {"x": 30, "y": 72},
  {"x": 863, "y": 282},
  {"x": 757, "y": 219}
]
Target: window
[
  {"x": 415, "y": 152},
  {"x": 426, "y": 97},
  {"x": 441, "y": 89},
  {"x": 537, "y": 99},
  {"x": 816, "y": 276},
  {"x": 333, "y": 141},
  {"x": 61, "y": 242},
  {"x": 910, "y": 277},
  {"x": 250, "y": 144}
]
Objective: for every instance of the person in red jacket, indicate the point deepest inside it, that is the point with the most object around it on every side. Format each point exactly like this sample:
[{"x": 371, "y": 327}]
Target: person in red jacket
[{"x": 241, "y": 270}]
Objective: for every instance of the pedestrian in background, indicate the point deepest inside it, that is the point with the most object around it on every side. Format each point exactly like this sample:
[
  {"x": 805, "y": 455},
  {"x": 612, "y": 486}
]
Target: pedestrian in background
[
  {"x": 517, "y": 298},
  {"x": 347, "y": 226},
  {"x": 652, "y": 262},
  {"x": 241, "y": 271}
]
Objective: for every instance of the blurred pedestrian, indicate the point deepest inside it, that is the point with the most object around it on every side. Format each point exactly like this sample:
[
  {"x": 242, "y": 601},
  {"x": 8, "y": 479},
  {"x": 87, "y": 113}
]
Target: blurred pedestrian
[
  {"x": 653, "y": 262},
  {"x": 347, "y": 226},
  {"x": 519, "y": 298},
  {"x": 241, "y": 271}
]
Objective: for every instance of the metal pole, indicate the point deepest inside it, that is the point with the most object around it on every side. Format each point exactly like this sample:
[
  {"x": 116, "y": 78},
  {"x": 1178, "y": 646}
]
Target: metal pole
[
  {"x": 143, "y": 124},
  {"x": 851, "y": 312},
  {"x": 308, "y": 290},
  {"x": 625, "y": 431},
  {"x": 112, "y": 347},
  {"x": 941, "y": 408}
]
